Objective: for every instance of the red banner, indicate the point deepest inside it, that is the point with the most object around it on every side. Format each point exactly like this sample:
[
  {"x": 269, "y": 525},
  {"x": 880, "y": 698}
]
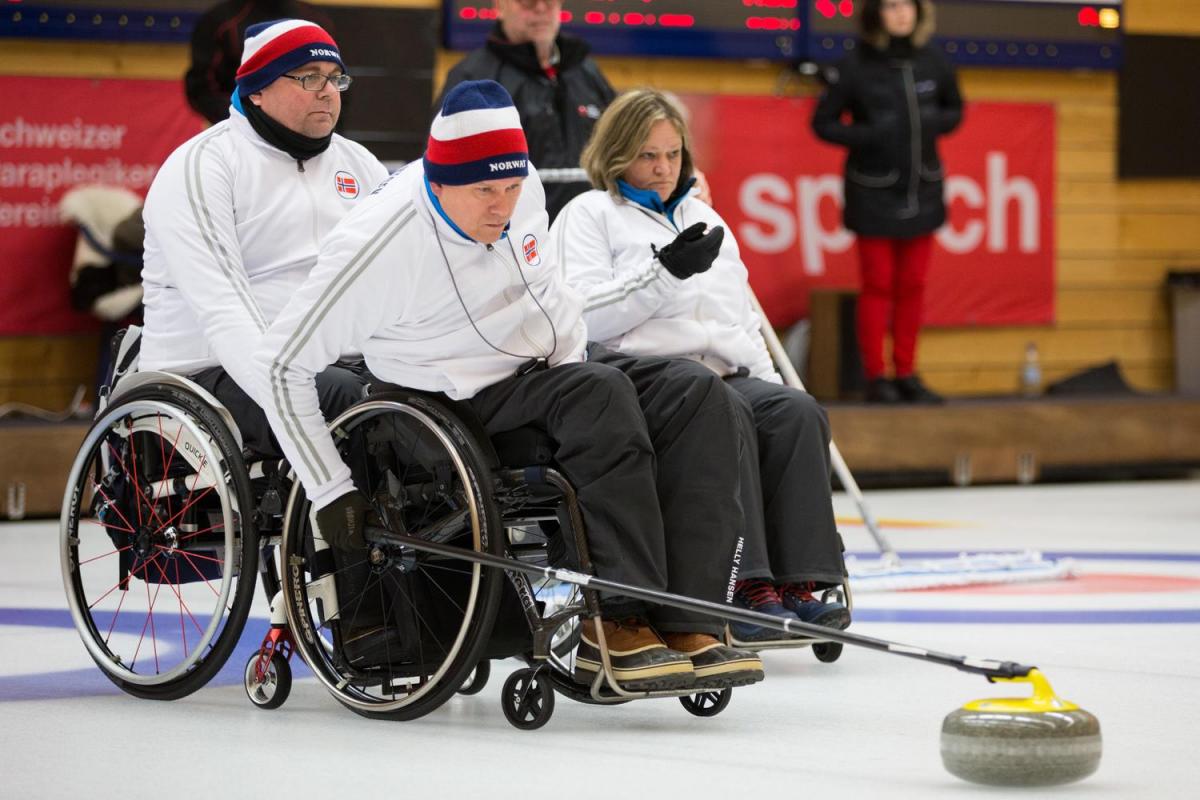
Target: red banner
[
  {"x": 780, "y": 190},
  {"x": 57, "y": 133}
]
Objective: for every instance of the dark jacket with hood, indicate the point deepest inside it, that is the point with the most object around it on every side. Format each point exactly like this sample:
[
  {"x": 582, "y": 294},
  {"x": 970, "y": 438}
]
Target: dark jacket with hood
[
  {"x": 557, "y": 111},
  {"x": 900, "y": 96}
]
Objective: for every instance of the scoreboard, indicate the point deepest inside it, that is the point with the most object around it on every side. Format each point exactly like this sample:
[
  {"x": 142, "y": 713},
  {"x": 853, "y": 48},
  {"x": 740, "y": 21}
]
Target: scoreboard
[
  {"x": 771, "y": 29},
  {"x": 1048, "y": 33}
]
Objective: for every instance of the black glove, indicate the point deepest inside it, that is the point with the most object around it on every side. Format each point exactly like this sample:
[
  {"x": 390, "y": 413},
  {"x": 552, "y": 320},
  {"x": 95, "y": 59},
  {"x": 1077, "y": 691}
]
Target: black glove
[
  {"x": 693, "y": 251},
  {"x": 341, "y": 523}
]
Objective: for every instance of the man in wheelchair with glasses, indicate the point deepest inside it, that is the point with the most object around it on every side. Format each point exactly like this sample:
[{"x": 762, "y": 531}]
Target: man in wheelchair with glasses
[
  {"x": 235, "y": 217},
  {"x": 443, "y": 281}
]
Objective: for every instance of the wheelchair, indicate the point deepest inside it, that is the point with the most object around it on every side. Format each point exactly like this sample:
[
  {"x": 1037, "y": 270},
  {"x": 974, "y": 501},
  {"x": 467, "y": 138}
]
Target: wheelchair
[
  {"x": 166, "y": 522},
  {"x": 161, "y": 529}
]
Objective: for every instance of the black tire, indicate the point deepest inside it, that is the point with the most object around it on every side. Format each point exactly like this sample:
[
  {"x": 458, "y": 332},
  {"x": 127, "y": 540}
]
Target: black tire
[
  {"x": 272, "y": 692},
  {"x": 478, "y": 678},
  {"x": 527, "y": 699},
  {"x": 425, "y": 476},
  {"x": 827, "y": 652},
  {"x": 158, "y": 505},
  {"x": 707, "y": 704}
]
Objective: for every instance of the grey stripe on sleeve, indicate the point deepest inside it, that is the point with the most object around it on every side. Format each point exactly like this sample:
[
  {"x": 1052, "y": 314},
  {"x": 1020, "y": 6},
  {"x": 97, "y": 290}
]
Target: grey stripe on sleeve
[
  {"x": 208, "y": 230},
  {"x": 308, "y": 326},
  {"x": 635, "y": 283}
]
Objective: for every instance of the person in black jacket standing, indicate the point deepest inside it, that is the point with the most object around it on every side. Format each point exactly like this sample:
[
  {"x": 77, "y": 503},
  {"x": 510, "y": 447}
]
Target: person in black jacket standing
[
  {"x": 888, "y": 102},
  {"x": 557, "y": 87}
]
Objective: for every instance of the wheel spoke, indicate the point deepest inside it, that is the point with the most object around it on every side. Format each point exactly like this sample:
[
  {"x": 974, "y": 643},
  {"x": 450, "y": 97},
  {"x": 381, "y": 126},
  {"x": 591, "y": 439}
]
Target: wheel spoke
[
  {"x": 115, "y": 507},
  {"x": 117, "y": 585},
  {"x": 166, "y": 470},
  {"x": 104, "y": 555}
]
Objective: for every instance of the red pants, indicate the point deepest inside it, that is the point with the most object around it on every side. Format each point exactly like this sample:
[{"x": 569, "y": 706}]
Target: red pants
[{"x": 893, "y": 284}]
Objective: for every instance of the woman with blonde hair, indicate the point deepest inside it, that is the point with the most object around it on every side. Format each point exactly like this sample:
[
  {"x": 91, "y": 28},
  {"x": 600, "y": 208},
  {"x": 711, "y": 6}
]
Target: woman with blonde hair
[{"x": 661, "y": 277}]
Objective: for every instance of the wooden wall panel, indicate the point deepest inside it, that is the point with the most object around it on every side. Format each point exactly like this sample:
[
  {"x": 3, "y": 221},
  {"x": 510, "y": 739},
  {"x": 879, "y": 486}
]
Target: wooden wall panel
[
  {"x": 45, "y": 371},
  {"x": 1162, "y": 17}
]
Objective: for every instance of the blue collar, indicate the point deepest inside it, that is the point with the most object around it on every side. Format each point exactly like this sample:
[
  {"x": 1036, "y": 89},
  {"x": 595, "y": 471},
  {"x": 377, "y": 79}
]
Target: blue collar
[
  {"x": 437, "y": 206},
  {"x": 649, "y": 199},
  {"x": 236, "y": 102}
]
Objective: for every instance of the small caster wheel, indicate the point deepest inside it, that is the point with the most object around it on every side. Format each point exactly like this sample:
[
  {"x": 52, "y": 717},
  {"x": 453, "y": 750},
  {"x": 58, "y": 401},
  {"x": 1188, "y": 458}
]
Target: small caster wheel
[
  {"x": 276, "y": 686},
  {"x": 827, "y": 652},
  {"x": 527, "y": 699},
  {"x": 707, "y": 704},
  {"x": 478, "y": 678}
]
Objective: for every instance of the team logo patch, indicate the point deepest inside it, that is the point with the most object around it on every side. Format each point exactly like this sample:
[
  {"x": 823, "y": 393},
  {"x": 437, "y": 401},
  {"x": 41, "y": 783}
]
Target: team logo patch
[
  {"x": 530, "y": 249},
  {"x": 346, "y": 185}
]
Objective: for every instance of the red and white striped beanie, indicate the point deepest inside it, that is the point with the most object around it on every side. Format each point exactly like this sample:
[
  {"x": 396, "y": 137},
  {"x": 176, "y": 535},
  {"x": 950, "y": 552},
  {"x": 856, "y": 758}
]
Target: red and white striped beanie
[
  {"x": 477, "y": 136},
  {"x": 279, "y": 46}
]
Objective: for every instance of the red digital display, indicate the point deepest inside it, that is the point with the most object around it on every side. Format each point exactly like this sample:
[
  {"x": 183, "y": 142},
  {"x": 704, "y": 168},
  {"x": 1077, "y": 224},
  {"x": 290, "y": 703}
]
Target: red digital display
[{"x": 714, "y": 15}]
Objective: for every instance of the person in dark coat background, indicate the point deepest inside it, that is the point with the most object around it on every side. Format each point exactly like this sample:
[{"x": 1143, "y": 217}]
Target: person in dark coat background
[
  {"x": 557, "y": 87},
  {"x": 217, "y": 48},
  {"x": 888, "y": 103}
]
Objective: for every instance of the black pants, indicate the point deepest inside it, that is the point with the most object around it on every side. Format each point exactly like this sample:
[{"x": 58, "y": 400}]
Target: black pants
[
  {"x": 650, "y": 446},
  {"x": 338, "y": 388},
  {"x": 791, "y": 534}
]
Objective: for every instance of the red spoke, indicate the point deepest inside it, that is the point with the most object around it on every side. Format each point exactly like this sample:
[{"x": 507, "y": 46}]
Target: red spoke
[
  {"x": 153, "y": 632},
  {"x": 175, "y": 588},
  {"x": 207, "y": 582},
  {"x": 163, "y": 455},
  {"x": 137, "y": 487},
  {"x": 188, "y": 501},
  {"x": 209, "y": 529},
  {"x": 191, "y": 503},
  {"x": 178, "y": 596},
  {"x": 106, "y": 525},
  {"x": 133, "y": 479},
  {"x": 142, "y": 568},
  {"x": 193, "y": 554},
  {"x": 106, "y": 555},
  {"x": 145, "y": 625},
  {"x": 114, "y": 507},
  {"x": 116, "y": 614}
]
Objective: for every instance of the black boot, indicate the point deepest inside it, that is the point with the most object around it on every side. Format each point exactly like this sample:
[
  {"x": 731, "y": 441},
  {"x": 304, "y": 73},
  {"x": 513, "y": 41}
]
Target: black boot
[
  {"x": 911, "y": 390},
  {"x": 881, "y": 390}
]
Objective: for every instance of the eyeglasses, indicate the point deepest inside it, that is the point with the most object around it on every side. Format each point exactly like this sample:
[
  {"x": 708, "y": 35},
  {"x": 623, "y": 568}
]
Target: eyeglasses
[{"x": 315, "y": 81}]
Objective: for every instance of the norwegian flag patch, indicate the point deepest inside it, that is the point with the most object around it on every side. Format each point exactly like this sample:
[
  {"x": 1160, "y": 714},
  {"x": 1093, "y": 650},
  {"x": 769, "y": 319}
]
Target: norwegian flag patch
[
  {"x": 530, "y": 248},
  {"x": 346, "y": 185}
]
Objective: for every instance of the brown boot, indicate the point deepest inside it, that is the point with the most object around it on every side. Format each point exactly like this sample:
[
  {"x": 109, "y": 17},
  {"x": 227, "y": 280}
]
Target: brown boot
[
  {"x": 640, "y": 661},
  {"x": 717, "y": 666}
]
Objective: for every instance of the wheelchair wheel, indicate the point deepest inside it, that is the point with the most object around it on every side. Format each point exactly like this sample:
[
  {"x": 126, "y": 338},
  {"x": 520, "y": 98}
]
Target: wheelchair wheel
[
  {"x": 707, "y": 704},
  {"x": 276, "y": 685},
  {"x": 527, "y": 699},
  {"x": 424, "y": 618},
  {"x": 827, "y": 652},
  {"x": 157, "y": 542}
]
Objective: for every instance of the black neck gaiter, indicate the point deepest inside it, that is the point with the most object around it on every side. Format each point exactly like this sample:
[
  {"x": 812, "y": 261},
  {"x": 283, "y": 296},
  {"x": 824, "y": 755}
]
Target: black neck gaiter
[{"x": 296, "y": 145}]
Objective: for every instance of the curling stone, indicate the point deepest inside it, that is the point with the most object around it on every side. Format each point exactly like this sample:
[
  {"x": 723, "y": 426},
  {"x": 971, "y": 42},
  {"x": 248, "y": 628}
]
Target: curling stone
[{"x": 1038, "y": 741}]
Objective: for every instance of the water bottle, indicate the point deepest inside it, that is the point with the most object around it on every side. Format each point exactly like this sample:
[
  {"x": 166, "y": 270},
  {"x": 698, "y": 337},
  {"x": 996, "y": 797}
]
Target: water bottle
[{"x": 1031, "y": 372}]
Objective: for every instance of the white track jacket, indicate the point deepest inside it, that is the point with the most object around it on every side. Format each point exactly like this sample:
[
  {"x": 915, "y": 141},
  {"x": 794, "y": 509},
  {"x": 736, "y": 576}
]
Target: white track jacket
[
  {"x": 634, "y": 305},
  {"x": 421, "y": 302},
  {"x": 233, "y": 226}
]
